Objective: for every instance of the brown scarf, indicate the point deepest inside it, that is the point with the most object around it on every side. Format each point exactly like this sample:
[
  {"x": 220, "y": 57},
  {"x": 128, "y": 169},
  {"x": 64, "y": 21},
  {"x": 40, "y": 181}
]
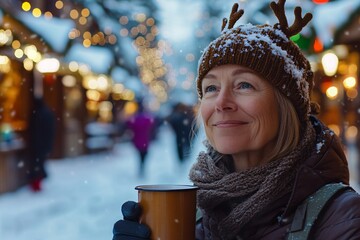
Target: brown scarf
[{"x": 231, "y": 199}]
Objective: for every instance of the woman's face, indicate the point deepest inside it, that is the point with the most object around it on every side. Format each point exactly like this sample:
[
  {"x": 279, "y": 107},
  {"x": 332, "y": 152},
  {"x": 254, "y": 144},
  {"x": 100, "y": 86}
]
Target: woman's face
[{"x": 239, "y": 110}]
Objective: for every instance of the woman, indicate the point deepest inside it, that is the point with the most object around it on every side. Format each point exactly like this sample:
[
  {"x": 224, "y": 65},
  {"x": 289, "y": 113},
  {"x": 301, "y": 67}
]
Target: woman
[{"x": 267, "y": 154}]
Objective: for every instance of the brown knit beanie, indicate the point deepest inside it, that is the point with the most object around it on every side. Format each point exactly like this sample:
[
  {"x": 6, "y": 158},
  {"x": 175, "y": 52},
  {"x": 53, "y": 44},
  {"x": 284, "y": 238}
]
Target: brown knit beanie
[{"x": 268, "y": 51}]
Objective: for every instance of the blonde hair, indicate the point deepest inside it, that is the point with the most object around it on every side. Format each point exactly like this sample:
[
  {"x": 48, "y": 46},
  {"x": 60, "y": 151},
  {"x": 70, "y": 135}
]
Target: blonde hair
[{"x": 289, "y": 127}]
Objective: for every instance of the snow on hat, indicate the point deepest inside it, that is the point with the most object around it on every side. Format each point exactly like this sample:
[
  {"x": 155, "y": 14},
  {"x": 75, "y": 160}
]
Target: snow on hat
[{"x": 267, "y": 50}]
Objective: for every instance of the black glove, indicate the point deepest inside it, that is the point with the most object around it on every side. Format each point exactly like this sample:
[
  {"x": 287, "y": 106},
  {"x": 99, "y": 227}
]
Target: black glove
[{"x": 130, "y": 228}]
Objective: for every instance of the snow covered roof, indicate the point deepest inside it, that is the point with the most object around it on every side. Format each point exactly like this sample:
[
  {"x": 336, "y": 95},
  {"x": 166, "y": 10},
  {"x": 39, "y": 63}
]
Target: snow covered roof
[
  {"x": 99, "y": 59},
  {"x": 53, "y": 30},
  {"x": 330, "y": 17}
]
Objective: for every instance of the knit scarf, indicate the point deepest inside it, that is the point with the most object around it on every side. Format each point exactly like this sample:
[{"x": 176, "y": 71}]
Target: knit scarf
[{"x": 231, "y": 199}]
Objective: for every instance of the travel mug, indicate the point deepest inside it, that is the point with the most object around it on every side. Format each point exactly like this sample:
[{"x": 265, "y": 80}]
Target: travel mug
[{"x": 169, "y": 210}]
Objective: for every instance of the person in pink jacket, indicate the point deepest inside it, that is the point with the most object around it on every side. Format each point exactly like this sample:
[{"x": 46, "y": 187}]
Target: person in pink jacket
[{"x": 141, "y": 125}]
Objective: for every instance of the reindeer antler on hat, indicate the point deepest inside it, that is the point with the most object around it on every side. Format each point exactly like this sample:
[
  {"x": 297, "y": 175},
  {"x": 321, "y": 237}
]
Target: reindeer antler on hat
[
  {"x": 299, "y": 23},
  {"x": 234, "y": 16}
]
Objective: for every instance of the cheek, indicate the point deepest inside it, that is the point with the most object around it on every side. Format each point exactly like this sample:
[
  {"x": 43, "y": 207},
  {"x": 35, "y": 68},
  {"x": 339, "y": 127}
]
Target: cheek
[
  {"x": 267, "y": 113},
  {"x": 206, "y": 112}
]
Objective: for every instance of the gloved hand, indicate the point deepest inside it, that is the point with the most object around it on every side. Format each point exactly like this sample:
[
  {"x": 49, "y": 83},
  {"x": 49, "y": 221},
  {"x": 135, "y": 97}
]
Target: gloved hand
[{"x": 130, "y": 228}]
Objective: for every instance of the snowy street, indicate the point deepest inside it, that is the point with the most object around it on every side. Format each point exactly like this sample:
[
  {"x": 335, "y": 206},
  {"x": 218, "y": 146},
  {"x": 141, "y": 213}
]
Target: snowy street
[{"x": 82, "y": 196}]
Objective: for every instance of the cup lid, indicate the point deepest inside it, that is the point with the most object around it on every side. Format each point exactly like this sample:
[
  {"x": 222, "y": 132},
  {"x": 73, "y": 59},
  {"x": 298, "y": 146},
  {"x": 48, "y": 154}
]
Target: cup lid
[{"x": 165, "y": 187}]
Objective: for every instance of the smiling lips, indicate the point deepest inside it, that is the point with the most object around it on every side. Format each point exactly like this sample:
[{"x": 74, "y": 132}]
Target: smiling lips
[{"x": 229, "y": 123}]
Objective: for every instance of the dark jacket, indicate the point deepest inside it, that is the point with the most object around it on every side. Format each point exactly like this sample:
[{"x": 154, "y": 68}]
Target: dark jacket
[
  {"x": 42, "y": 136},
  {"x": 339, "y": 220}
]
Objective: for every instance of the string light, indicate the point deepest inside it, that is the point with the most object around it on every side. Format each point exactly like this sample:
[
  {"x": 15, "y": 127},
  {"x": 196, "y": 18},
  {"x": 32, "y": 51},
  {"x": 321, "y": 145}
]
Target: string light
[{"x": 26, "y": 6}]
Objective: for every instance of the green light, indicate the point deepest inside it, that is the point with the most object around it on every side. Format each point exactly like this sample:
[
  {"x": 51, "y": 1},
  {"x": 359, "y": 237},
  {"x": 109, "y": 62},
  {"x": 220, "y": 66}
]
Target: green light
[{"x": 295, "y": 37}]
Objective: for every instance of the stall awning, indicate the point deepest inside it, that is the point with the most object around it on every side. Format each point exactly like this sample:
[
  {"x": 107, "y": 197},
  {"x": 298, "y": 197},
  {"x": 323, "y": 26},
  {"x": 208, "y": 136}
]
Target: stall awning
[
  {"x": 99, "y": 59},
  {"x": 330, "y": 17},
  {"x": 54, "y": 31}
]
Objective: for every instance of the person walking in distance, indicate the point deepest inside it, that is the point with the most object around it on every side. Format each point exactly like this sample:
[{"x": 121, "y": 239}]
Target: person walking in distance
[
  {"x": 41, "y": 140},
  {"x": 181, "y": 121},
  {"x": 141, "y": 126}
]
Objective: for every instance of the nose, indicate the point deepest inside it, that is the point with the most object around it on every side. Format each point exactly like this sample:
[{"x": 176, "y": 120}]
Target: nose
[{"x": 225, "y": 101}]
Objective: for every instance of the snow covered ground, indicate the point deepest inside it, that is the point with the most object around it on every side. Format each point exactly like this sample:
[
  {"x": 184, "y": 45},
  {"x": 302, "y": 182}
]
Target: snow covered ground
[{"x": 82, "y": 197}]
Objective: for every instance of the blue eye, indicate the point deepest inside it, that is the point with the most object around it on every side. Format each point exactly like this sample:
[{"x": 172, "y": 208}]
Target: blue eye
[
  {"x": 210, "y": 88},
  {"x": 245, "y": 85}
]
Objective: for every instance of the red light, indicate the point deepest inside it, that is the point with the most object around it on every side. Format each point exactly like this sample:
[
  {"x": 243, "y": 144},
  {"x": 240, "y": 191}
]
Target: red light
[
  {"x": 318, "y": 45},
  {"x": 49, "y": 78},
  {"x": 320, "y": 1}
]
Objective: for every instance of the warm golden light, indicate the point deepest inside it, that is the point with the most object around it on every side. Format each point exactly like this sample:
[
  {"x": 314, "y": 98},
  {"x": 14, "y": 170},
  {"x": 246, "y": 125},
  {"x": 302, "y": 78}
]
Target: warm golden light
[
  {"x": 103, "y": 83},
  {"x": 48, "y": 15},
  {"x": 84, "y": 69},
  {"x": 19, "y": 53},
  {"x": 351, "y": 133},
  {"x": 87, "y": 43},
  {"x": 48, "y": 65},
  {"x": 332, "y": 92},
  {"x": 352, "y": 93},
  {"x": 26, "y": 6},
  {"x": 74, "y": 14},
  {"x": 4, "y": 64},
  {"x": 4, "y": 60},
  {"x": 68, "y": 81},
  {"x": 140, "y": 17},
  {"x": 349, "y": 82},
  {"x": 28, "y": 64},
  {"x": 87, "y": 35},
  {"x": 352, "y": 68},
  {"x": 30, "y": 50},
  {"x": 36, "y": 12},
  {"x": 330, "y": 63},
  {"x": 150, "y": 22},
  {"x": 93, "y": 95},
  {"x": 85, "y": 12},
  {"x": 92, "y": 105},
  {"x": 73, "y": 66},
  {"x": 82, "y": 20},
  {"x": 105, "y": 111},
  {"x": 89, "y": 82},
  {"x": 59, "y": 4},
  {"x": 128, "y": 95},
  {"x": 130, "y": 108},
  {"x": 37, "y": 57},
  {"x": 118, "y": 88},
  {"x": 16, "y": 44},
  {"x": 4, "y": 39}
]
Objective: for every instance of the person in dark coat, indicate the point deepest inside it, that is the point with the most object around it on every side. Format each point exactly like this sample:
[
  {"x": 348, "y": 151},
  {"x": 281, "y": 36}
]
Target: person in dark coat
[
  {"x": 267, "y": 154},
  {"x": 181, "y": 121},
  {"x": 42, "y": 134}
]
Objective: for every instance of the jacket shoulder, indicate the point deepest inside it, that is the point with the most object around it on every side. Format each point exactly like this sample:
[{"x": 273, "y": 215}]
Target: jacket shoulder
[{"x": 341, "y": 218}]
